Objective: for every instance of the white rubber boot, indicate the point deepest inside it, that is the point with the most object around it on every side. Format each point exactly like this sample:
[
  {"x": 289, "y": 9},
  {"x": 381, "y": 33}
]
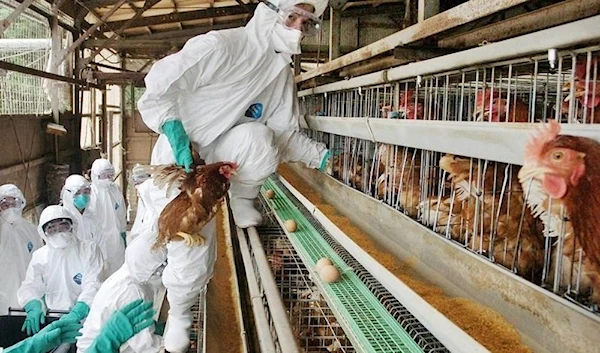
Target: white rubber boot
[
  {"x": 177, "y": 335},
  {"x": 179, "y": 322},
  {"x": 244, "y": 212},
  {"x": 242, "y": 204}
]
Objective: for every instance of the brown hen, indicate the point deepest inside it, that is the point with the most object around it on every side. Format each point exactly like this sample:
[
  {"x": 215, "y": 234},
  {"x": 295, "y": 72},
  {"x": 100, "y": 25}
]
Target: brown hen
[
  {"x": 494, "y": 109},
  {"x": 202, "y": 190},
  {"x": 567, "y": 168},
  {"x": 492, "y": 218}
]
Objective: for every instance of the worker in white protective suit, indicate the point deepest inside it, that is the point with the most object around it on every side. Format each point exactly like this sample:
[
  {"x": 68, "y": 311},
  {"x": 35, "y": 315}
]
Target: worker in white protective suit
[
  {"x": 107, "y": 202},
  {"x": 76, "y": 196},
  {"x": 18, "y": 240},
  {"x": 134, "y": 280},
  {"x": 65, "y": 274},
  {"x": 230, "y": 93},
  {"x": 139, "y": 174}
]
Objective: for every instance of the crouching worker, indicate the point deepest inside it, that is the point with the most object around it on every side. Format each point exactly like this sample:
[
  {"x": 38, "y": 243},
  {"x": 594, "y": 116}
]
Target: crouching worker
[
  {"x": 66, "y": 273},
  {"x": 134, "y": 280},
  {"x": 120, "y": 327}
]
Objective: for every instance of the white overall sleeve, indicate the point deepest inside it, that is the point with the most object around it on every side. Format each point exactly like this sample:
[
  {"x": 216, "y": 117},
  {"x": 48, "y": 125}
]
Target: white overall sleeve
[
  {"x": 201, "y": 60},
  {"x": 122, "y": 214},
  {"x": 94, "y": 273},
  {"x": 293, "y": 145},
  {"x": 33, "y": 287}
]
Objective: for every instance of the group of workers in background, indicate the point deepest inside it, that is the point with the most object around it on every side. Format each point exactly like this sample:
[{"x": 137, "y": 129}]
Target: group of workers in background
[
  {"x": 229, "y": 95},
  {"x": 84, "y": 245}
]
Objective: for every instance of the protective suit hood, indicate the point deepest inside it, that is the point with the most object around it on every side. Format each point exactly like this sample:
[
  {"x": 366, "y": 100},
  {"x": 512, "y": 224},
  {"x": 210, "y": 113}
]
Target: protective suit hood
[
  {"x": 12, "y": 191},
  {"x": 72, "y": 185},
  {"x": 98, "y": 167},
  {"x": 319, "y": 5},
  {"x": 51, "y": 213},
  {"x": 12, "y": 215}
]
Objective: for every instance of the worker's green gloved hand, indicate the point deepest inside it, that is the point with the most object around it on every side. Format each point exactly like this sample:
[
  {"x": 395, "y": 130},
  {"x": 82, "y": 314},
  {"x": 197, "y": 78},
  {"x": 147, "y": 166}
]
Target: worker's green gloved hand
[
  {"x": 159, "y": 328},
  {"x": 122, "y": 325},
  {"x": 49, "y": 337},
  {"x": 124, "y": 237},
  {"x": 79, "y": 312},
  {"x": 35, "y": 317},
  {"x": 325, "y": 161},
  {"x": 180, "y": 143}
]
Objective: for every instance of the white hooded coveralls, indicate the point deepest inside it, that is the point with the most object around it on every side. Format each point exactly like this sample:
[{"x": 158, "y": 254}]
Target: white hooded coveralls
[
  {"x": 18, "y": 240},
  {"x": 108, "y": 241},
  {"x": 209, "y": 85},
  {"x": 132, "y": 281},
  {"x": 62, "y": 276},
  {"x": 107, "y": 201}
]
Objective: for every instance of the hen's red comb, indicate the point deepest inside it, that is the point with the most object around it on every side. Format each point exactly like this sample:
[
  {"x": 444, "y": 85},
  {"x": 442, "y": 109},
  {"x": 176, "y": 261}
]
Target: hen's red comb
[{"x": 543, "y": 135}]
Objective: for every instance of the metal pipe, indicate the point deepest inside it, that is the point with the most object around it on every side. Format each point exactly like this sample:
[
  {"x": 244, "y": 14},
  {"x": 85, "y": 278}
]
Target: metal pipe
[
  {"x": 570, "y": 34},
  {"x": 285, "y": 335},
  {"x": 263, "y": 331}
]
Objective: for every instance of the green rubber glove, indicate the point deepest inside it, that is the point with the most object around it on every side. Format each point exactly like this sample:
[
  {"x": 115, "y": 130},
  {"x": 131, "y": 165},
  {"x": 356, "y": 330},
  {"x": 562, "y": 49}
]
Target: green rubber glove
[
  {"x": 49, "y": 337},
  {"x": 122, "y": 325},
  {"x": 180, "y": 143},
  {"x": 124, "y": 237},
  {"x": 325, "y": 161},
  {"x": 159, "y": 328},
  {"x": 79, "y": 312},
  {"x": 35, "y": 317}
]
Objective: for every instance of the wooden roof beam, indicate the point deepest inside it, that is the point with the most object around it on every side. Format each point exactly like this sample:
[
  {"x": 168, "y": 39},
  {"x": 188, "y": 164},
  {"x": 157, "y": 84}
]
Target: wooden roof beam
[
  {"x": 158, "y": 41},
  {"x": 92, "y": 4},
  {"x": 147, "y": 4},
  {"x": 183, "y": 16},
  {"x": 452, "y": 18}
]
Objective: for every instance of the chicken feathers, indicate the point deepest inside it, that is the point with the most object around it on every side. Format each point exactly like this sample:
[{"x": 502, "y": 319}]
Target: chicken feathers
[{"x": 202, "y": 190}]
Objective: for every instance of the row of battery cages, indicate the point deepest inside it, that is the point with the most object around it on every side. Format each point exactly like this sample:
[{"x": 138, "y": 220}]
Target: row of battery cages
[{"x": 477, "y": 203}]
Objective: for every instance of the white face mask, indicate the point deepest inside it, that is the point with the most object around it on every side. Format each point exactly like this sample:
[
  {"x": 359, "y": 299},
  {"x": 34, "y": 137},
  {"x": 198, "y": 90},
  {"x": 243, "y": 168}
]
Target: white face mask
[
  {"x": 105, "y": 183},
  {"x": 11, "y": 215},
  {"x": 286, "y": 40},
  {"x": 59, "y": 240}
]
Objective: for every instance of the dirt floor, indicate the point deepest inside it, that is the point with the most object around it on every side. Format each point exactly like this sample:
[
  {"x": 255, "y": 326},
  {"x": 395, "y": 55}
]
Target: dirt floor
[
  {"x": 485, "y": 325},
  {"x": 222, "y": 322}
]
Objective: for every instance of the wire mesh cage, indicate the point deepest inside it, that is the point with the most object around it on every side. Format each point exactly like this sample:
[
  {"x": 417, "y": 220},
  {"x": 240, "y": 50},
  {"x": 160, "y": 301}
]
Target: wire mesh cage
[
  {"x": 314, "y": 325},
  {"x": 566, "y": 88},
  {"x": 27, "y": 43},
  {"x": 198, "y": 329},
  {"x": 483, "y": 205}
]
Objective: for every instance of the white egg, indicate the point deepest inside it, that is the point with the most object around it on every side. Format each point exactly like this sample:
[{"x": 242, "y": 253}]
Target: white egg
[
  {"x": 290, "y": 225},
  {"x": 269, "y": 194},
  {"x": 321, "y": 263},
  {"x": 329, "y": 274}
]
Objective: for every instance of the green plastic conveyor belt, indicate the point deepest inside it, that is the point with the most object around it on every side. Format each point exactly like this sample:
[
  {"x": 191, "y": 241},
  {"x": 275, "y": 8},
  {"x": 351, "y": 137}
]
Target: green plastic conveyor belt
[{"x": 370, "y": 326}]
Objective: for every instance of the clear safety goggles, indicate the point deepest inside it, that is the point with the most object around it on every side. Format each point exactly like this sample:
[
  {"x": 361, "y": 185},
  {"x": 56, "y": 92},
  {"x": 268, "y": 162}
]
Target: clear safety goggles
[
  {"x": 296, "y": 18},
  {"x": 86, "y": 190},
  {"x": 107, "y": 174},
  {"x": 56, "y": 226},
  {"x": 9, "y": 202}
]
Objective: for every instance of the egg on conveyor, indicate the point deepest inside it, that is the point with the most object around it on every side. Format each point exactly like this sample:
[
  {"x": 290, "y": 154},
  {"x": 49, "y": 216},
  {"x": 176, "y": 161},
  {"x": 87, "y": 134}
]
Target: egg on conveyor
[
  {"x": 290, "y": 225},
  {"x": 269, "y": 194},
  {"x": 329, "y": 273},
  {"x": 322, "y": 263}
]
